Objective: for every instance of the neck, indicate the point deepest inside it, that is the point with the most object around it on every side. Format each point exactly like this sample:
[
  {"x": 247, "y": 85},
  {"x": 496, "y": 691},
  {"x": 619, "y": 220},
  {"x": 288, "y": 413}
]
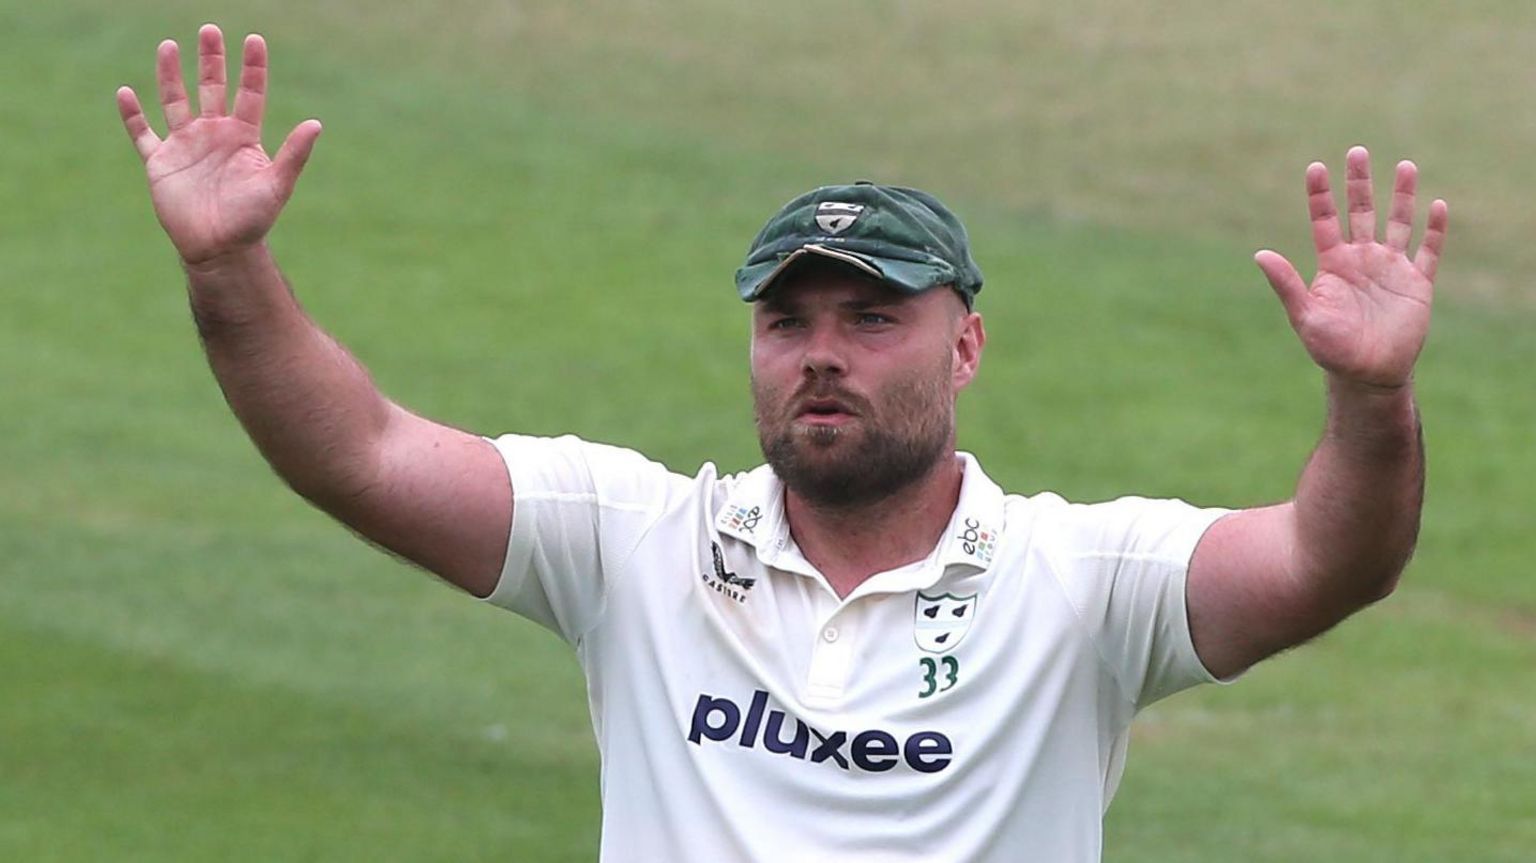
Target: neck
[{"x": 848, "y": 545}]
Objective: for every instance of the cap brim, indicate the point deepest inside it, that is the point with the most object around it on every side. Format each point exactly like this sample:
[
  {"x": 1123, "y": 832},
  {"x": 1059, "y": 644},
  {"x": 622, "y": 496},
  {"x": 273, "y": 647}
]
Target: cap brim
[{"x": 754, "y": 281}]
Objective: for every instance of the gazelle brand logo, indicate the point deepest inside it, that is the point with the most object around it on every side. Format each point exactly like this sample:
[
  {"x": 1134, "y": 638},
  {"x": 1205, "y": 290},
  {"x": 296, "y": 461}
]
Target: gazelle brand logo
[
  {"x": 875, "y": 750},
  {"x": 725, "y": 581}
]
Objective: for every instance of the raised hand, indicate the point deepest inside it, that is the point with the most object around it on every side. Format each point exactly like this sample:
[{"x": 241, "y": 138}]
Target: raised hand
[
  {"x": 1366, "y": 314},
  {"x": 214, "y": 189}
]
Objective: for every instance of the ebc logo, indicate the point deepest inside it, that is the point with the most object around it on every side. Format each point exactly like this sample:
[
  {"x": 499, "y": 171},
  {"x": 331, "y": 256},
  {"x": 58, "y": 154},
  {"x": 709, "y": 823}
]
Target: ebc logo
[
  {"x": 977, "y": 541},
  {"x": 875, "y": 751}
]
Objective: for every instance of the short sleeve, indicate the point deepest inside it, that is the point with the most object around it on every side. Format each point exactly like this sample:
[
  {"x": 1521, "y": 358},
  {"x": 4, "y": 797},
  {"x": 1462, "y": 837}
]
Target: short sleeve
[
  {"x": 579, "y": 511},
  {"x": 1124, "y": 565}
]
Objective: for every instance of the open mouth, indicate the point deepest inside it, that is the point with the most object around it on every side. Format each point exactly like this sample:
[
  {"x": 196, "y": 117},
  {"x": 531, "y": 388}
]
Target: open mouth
[{"x": 822, "y": 410}]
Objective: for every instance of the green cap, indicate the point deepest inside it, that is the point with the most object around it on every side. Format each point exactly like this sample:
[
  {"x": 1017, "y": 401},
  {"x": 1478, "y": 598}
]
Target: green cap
[{"x": 901, "y": 236}]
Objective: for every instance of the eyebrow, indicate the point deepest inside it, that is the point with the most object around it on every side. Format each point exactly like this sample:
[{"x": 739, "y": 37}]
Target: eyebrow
[
  {"x": 884, "y": 301},
  {"x": 776, "y": 304}
]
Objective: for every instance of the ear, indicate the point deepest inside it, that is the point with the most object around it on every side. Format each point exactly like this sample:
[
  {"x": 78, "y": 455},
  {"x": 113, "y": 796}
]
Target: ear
[{"x": 969, "y": 341}]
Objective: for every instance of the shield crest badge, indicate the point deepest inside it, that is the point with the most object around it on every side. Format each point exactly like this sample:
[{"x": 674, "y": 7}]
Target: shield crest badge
[
  {"x": 942, "y": 620},
  {"x": 835, "y": 217}
]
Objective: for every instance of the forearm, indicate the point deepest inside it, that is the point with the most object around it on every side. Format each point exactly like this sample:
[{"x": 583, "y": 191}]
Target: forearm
[
  {"x": 310, "y": 408},
  {"x": 1358, "y": 501}
]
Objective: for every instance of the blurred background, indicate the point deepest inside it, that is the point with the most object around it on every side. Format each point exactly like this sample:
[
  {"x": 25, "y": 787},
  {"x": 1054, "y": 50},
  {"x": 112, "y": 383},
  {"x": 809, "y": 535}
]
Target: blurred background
[{"x": 525, "y": 216}]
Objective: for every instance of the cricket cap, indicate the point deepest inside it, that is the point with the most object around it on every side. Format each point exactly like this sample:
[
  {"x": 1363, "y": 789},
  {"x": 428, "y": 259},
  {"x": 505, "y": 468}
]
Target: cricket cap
[{"x": 904, "y": 237}]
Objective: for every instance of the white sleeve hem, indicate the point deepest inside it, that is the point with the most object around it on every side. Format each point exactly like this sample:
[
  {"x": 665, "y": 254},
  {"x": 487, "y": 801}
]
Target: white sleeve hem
[
  {"x": 1198, "y": 529},
  {"x": 520, "y": 540}
]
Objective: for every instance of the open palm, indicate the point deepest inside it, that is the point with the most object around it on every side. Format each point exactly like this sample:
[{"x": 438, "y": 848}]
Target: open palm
[
  {"x": 213, "y": 187},
  {"x": 1366, "y": 314}
]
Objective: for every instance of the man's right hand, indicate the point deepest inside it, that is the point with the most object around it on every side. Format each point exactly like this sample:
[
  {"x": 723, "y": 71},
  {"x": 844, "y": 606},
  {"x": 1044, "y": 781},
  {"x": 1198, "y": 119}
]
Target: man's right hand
[
  {"x": 214, "y": 189},
  {"x": 426, "y": 491}
]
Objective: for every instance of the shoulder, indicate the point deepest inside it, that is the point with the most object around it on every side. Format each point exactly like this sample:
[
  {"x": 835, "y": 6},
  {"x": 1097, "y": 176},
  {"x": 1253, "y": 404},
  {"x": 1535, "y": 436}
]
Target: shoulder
[
  {"x": 1122, "y": 525},
  {"x": 569, "y": 467}
]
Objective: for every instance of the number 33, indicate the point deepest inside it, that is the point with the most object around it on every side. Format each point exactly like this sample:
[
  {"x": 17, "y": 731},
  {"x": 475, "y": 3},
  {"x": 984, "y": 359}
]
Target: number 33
[{"x": 930, "y": 668}]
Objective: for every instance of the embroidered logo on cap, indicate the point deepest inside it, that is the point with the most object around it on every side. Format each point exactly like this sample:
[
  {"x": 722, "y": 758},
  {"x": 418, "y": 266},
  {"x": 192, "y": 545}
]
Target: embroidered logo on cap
[{"x": 835, "y": 217}]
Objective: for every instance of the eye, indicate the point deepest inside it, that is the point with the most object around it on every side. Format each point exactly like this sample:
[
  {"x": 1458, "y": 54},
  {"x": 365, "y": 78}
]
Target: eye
[
  {"x": 872, "y": 319},
  {"x": 784, "y": 323}
]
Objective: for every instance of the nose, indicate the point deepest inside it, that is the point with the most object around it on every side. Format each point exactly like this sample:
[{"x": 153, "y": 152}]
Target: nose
[{"x": 825, "y": 354}]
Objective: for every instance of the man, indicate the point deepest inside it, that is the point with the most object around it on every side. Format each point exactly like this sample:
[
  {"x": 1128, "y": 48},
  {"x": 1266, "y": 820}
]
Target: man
[{"x": 866, "y": 649}]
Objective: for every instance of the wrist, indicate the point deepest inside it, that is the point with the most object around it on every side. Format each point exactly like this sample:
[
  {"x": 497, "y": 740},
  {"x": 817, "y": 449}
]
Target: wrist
[
  {"x": 234, "y": 262},
  {"x": 1340, "y": 386},
  {"x": 1387, "y": 416},
  {"x": 235, "y": 290}
]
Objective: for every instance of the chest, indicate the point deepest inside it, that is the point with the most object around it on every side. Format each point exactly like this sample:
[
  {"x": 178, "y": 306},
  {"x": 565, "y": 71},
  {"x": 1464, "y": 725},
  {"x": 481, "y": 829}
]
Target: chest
[{"x": 969, "y": 643}]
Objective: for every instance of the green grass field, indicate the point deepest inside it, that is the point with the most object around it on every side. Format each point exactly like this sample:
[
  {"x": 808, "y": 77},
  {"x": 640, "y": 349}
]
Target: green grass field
[{"x": 526, "y": 218}]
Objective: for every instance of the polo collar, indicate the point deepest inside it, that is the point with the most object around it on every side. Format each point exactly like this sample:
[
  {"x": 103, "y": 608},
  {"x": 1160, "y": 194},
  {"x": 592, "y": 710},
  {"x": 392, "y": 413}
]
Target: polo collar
[
  {"x": 754, "y": 514},
  {"x": 976, "y": 527}
]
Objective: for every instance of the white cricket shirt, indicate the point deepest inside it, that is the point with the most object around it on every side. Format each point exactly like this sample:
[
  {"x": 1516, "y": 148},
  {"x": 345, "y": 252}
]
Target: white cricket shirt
[{"x": 973, "y": 706}]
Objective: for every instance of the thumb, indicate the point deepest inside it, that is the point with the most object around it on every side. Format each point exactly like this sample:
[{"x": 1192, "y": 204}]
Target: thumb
[
  {"x": 294, "y": 153},
  {"x": 1286, "y": 282}
]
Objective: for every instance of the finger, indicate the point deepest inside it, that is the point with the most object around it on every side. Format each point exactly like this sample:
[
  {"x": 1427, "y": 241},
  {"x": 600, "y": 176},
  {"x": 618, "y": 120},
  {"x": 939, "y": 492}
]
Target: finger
[
  {"x": 251, "y": 98},
  {"x": 1357, "y": 190},
  {"x": 1400, "y": 219},
  {"x": 210, "y": 71},
  {"x": 1325, "y": 219},
  {"x": 143, "y": 137},
  {"x": 1286, "y": 282},
  {"x": 1428, "y": 258},
  {"x": 173, "y": 93},
  {"x": 294, "y": 153}
]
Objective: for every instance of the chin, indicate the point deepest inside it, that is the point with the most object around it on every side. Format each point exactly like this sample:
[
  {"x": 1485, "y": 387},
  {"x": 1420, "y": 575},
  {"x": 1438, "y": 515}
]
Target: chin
[{"x": 820, "y": 436}]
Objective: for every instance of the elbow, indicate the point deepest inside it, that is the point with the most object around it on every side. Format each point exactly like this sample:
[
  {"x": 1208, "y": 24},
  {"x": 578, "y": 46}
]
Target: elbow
[
  {"x": 1384, "y": 587},
  {"x": 1385, "y": 579},
  {"x": 340, "y": 496},
  {"x": 1375, "y": 575},
  {"x": 1341, "y": 592},
  {"x": 336, "y": 486},
  {"x": 1391, "y": 575}
]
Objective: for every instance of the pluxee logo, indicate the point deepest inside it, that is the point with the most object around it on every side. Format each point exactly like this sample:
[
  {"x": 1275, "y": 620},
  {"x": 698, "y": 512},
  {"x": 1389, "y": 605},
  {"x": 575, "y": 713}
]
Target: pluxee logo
[{"x": 719, "y": 719}]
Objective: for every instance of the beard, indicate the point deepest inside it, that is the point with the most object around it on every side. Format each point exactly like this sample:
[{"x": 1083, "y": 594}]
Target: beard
[{"x": 898, "y": 436}]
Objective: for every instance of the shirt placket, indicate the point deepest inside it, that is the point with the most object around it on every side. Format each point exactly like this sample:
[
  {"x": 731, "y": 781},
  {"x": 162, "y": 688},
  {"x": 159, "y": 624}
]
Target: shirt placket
[{"x": 831, "y": 654}]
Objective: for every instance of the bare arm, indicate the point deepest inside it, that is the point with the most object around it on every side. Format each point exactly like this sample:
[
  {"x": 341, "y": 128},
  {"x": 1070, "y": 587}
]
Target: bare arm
[
  {"x": 1265, "y": 579},
  {"x": 436, "y": 495}
]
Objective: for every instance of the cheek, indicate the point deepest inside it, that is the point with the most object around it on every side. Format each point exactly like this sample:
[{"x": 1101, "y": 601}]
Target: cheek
[
  {"x": 924, "y": 390},
  {"x": 773, "y": 362},
  {"x": 767, "y": 385}
]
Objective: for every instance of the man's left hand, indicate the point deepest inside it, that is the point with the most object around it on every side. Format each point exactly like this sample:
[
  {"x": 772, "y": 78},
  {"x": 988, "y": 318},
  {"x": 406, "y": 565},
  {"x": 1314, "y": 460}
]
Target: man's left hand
[{"x": 1365, "y": 316}]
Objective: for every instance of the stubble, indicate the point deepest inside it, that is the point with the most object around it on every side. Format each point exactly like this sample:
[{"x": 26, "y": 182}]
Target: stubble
[{"x": 900, "y": 434}]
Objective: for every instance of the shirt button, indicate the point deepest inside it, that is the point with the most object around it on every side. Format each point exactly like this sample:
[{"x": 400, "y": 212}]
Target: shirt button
[{"x": 830, "y": 634}]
